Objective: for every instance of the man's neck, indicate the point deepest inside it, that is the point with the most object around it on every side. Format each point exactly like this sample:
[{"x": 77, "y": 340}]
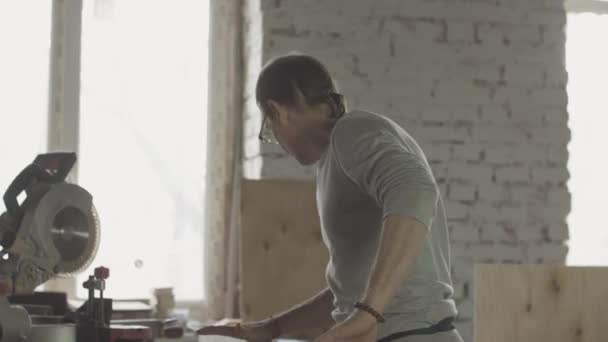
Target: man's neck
[{"x": 321, "y": 138}]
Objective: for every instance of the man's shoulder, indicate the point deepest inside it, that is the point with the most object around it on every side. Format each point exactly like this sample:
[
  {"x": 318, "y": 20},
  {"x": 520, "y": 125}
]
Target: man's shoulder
[
  {"x": 364, "y": 115},
  {"x": 358, "y": 122},
  {"x": 359, "y": 133}
]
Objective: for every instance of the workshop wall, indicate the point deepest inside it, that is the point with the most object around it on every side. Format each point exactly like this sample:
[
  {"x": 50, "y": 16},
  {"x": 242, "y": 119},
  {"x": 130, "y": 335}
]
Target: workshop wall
[{"x": 479, "y": 83}]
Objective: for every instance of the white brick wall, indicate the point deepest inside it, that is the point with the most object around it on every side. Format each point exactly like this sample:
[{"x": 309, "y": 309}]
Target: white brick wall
[{"x": 480, "y": 84}]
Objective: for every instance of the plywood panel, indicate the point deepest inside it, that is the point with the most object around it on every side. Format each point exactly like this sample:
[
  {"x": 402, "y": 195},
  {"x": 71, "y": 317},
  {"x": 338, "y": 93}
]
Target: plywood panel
[
  {"x": 532, "y": 303},
  {"x": 283, "y": 258}
]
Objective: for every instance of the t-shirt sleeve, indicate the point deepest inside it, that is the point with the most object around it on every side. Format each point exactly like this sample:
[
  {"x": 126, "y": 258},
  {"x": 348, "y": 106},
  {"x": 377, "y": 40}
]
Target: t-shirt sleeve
[{"x": 384, "y": 168}]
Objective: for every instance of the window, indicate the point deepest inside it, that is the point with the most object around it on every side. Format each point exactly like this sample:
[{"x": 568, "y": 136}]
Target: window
[
  {"x": 25, "y": 36},
  {"x": 142, "y": 141},
  {"x": 586, "y": 64}
]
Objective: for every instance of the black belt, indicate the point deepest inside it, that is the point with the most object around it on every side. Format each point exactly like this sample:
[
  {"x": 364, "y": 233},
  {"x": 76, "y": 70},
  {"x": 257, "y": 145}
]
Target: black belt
[{"x": 441, "y": 326}]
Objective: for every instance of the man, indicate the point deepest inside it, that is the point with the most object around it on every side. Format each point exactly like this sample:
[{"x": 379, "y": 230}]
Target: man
[{"x": 382, "y": 217}]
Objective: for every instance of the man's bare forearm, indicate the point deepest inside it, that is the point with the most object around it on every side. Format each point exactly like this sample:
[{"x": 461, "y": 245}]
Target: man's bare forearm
[
  {"x": 310, "y": 317},
  {"x": 402, "y": 239}
]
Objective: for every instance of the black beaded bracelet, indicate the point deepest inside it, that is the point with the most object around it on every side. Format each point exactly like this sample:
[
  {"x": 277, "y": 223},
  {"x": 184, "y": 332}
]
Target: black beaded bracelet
[{"x": 378, "y": 316}]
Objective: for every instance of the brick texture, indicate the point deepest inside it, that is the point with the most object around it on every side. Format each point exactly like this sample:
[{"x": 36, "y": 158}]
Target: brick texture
[{"x": 480, "y": 84}]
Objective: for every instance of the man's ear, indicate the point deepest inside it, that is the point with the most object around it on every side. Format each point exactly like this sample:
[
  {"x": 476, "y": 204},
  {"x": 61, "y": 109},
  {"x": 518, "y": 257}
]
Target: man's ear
[{"x": 279, "y": 112}]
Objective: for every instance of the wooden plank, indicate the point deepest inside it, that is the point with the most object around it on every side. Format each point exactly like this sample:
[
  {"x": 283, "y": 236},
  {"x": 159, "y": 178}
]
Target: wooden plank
[
  {"x": 283, "y": 258},
  {"x": 521, "y": 303}
]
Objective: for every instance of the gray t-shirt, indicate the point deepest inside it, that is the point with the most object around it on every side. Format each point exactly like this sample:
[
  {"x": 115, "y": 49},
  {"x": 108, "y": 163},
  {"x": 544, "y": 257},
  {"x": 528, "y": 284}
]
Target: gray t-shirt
[{"x": 373, "y": 168}]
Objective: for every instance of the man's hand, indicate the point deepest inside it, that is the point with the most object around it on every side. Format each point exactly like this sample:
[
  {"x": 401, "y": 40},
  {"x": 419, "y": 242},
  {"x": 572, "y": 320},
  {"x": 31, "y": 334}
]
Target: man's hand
[
  {"x": 262, "y": 331},
  {"x": 310, "y": 317},
  {"x": 359, "y": 327}
]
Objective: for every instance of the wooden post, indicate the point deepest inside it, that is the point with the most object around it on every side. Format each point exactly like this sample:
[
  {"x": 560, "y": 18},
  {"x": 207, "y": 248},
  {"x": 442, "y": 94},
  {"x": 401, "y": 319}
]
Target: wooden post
[
  {"x": 64, "y": 96},
  {"x": 223, "y": 145}
]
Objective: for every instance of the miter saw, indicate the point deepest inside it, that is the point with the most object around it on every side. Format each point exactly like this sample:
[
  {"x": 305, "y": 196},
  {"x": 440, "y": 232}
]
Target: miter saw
[
  {"x": 50, "y": 228},
  {"x": 53, "y": 231}
]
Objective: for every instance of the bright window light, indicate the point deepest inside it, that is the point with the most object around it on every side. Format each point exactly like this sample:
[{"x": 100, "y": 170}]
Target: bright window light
[
  {"x": 587, "y": 67},
  {"x": 143, "y": 141},
  {"x": 25, "y": 36}
]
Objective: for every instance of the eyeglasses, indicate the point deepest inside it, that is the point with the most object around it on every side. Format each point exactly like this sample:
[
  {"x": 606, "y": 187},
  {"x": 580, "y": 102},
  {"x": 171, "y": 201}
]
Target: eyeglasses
[
  {"x": 335, "y": 100},
  {"x": 266, "y": 134}
]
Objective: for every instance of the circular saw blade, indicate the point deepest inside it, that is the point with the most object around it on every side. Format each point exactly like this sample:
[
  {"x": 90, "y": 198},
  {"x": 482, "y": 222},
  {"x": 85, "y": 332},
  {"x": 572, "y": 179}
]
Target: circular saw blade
[
  {"x": 66, "y": 229},
  {"x": 75, "y": 235}
]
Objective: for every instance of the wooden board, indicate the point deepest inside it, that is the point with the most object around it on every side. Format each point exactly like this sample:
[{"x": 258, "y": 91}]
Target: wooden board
[
  {"x": 283, "y": 258},
  {"x": 533, "y": 303}
]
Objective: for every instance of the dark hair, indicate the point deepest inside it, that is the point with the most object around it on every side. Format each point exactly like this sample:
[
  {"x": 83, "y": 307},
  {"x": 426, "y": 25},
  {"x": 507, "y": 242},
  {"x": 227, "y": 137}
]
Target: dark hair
[{"x": 282, "y": 78}]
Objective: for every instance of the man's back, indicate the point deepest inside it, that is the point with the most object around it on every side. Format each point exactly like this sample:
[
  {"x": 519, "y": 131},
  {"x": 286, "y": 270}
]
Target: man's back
[{"x": 373, "y": 168}]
